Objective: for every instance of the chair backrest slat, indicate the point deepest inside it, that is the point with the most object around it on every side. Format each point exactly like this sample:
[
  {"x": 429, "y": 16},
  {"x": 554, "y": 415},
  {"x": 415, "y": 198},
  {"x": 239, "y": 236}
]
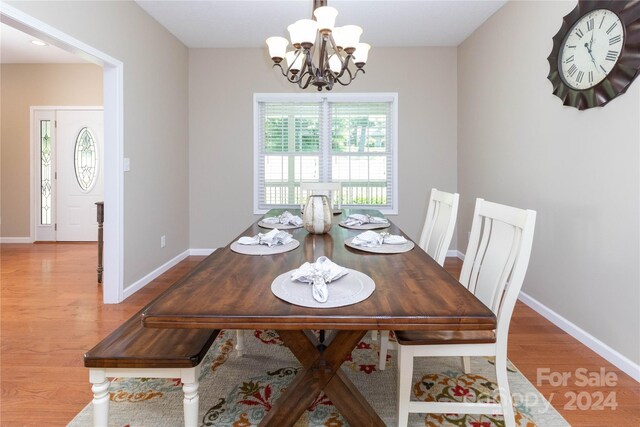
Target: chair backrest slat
[
  {"x": 439, "y": 224},
  {"x": 498, "y": 255},
  {"x": 333, "y": 190}
]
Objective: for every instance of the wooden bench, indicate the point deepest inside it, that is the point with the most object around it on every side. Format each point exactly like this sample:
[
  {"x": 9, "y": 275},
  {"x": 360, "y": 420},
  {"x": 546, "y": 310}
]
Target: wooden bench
[{"x": 133, "y": 351}]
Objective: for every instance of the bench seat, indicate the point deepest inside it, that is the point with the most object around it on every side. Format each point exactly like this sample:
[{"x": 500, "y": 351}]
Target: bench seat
[{"x": 133, "y": 351}]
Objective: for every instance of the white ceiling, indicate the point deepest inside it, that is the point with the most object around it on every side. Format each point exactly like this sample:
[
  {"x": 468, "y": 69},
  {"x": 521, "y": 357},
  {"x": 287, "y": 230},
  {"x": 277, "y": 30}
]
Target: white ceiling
[
  {"x": 247, "y": 23},
  {"x": 16, "y": 48}
]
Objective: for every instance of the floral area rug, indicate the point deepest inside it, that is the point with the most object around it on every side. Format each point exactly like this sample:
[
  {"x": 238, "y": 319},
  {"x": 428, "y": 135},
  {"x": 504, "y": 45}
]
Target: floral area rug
[{"x": 239, "y": 391}]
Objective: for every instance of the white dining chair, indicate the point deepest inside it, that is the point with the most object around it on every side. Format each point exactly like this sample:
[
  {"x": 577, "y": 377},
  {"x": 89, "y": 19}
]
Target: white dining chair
[
  {"x": 435, "y": 239},
  {"x": 493, "y": 270},
  {"x": 333, "y": 190},
  {"x": 439, "y": 224}
]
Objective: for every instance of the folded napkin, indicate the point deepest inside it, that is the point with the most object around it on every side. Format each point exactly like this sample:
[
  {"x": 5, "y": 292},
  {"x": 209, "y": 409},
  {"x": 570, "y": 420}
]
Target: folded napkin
[
  {"x": 319, "y": 273},
  {"x": 359, "y": 219},
  {"x": 287, "y": 218},
  {"x": 273, "y": 238},
  {"x": 371, "y": 239}
]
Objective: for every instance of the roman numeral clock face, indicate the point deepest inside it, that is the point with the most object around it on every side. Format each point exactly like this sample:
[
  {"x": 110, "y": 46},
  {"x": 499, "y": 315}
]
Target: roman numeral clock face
[{"x": 591, "y": 49}]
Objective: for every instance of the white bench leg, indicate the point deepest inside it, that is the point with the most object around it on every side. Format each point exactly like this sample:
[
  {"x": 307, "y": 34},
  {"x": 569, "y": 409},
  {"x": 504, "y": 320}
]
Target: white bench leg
[
  {"x": 100, "y": 389},
  {"x": 191, "y": 402},
  {"x": 240, "y": 342}
]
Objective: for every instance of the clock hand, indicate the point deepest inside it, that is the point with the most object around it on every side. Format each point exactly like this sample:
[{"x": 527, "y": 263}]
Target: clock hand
[{"x": 593, "y": 60}]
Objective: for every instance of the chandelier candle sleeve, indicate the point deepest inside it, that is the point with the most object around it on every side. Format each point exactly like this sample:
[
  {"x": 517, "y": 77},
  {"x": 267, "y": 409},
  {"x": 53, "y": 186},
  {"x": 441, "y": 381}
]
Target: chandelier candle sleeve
[{"x": 322, "y": 54}]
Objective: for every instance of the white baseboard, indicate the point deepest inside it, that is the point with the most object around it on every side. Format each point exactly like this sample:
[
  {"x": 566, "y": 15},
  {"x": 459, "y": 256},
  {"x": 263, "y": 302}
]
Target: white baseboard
[
  {"x": 134, "y": 287},
  {"x": 455, "y": 253},
  {"x": 201, "y": 252},
  {"x": 16, "y": 240},
  {"x": 622, "y": 362},
  {"x": 615, "y": 358}
]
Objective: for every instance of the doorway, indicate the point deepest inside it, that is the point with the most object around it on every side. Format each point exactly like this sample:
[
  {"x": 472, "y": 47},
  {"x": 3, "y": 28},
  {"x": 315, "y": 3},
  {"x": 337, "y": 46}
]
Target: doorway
[
  {"x": 113, "y": 284},
  {"x": 68, "y": 147}
]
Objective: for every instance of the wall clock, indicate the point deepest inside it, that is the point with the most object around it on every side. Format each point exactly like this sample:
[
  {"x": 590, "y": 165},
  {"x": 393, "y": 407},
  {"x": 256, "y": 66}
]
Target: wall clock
[{"x": 596, "y": 53}]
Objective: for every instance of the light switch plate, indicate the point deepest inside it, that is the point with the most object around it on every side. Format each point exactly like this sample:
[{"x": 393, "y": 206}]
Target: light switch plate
[{"x": 127, "y": 164}]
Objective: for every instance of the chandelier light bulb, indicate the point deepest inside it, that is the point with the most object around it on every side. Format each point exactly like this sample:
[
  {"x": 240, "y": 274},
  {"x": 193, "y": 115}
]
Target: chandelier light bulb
[
  {"x": 338, "y": 37},
  {"x": 326, "y": 17},
  {"x": 277, "y": 47},
  {"x": 303, "y": 31},
  {"x": 294, "y": 35},
  {"x": 361, "y": 54},
  {"x": 293, "y": 63},
  {"x": 334, "y": 63},
  {"x": 350, "y": 35}
]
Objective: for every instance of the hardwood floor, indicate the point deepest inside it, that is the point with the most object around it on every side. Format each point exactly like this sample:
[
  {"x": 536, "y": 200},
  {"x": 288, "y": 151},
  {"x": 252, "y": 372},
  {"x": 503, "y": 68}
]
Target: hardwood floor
[{"x": 51, "y": 312}]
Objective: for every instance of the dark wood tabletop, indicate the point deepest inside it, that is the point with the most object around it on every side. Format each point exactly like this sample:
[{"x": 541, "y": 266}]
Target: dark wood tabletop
[{"x": 231, "y": 290}]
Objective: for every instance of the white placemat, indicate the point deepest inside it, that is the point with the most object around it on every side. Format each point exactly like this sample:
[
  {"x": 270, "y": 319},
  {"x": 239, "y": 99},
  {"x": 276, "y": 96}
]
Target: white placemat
[
  {"x": 384, "y": 249},
  {"x": 349, "y": 289},
  {"x": 278, "y": 225},
  {"x": 368, "y": 226},
  {"x": 263, "y": 249}
]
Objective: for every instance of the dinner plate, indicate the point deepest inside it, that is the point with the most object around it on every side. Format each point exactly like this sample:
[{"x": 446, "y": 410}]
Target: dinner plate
[
  {"x": 347, "y": 290},
  {"x": 263, "y": 249},
  {"x": 385, "y": 248},
  {"x": 278, "y": 225},
  {"x": 368, "y": 226}
]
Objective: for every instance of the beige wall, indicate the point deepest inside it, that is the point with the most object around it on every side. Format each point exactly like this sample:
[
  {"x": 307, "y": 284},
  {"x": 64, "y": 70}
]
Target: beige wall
[
  {"x": 23, "y": 86},
  {"x": 221, "y": 87},
  {"x": 580, "y": 170},
  {"x": 156, "y": 190}
]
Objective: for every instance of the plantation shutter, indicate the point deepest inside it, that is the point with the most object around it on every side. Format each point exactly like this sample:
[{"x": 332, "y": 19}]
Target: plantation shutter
[
  {"x": 362, "y": 152},
  {"x": 289, "y": 150},
  {"x": 348, "y": 139}
]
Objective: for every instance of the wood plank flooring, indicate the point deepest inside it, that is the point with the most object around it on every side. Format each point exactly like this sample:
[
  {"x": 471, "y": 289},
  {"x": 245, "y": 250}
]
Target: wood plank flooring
[{"x": 51, "y": 312}]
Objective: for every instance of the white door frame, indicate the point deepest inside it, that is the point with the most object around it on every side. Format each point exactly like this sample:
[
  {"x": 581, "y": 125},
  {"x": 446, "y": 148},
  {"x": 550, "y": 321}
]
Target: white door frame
[
  {"x": 113, "y": 281},
  {"x": 35, "y": 160}
]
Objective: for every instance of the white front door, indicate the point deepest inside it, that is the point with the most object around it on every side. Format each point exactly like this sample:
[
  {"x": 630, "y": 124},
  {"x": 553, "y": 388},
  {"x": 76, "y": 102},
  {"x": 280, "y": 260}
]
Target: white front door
[{"x": 80, "y": 177}]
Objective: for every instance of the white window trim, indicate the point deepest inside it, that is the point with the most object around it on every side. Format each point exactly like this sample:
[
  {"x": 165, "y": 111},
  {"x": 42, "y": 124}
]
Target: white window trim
[{"x": 316, "y": 97}]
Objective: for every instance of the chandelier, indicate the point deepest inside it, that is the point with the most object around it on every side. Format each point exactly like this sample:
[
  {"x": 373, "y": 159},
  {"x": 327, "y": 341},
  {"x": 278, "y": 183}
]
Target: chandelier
[{"x": 323, "y": 53}]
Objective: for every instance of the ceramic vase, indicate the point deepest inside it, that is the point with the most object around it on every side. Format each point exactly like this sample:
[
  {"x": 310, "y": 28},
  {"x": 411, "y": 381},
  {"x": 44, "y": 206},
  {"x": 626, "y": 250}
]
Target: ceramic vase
[{"x": 317, "y": 214}]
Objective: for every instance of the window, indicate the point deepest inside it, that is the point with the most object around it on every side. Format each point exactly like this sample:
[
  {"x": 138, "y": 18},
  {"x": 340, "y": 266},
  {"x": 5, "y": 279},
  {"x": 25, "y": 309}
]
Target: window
[
  {"x": 346, "y": 138},
  {"x": 85, "y": 160},
  {"x": 45, "y": 172}
]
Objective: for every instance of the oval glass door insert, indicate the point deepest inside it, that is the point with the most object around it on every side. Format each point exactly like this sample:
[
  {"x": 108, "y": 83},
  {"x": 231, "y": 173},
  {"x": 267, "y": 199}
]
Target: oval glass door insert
[{"x": 86, "y": 160}]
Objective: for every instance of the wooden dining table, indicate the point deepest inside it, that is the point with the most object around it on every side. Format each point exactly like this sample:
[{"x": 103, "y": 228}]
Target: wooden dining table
[{"x": 228, "y": 290}]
